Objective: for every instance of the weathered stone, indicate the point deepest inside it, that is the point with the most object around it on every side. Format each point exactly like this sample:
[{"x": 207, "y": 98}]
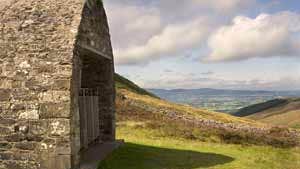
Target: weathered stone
[
  {"x": 17, "y": 107},
  {"x": 54, "y": 96},
  {"x": 24, "y": 95},
  {"x": 20, "y": 165},
  {"x": 55, "y": 110},
  {"x": 5, "y": 83},
  {"x": 30, "y": 114},
  {"x": 36, "y": 138},
  {"x": 59, "y": 127},
  {"x": 54, "y": 160},
  {"x": 7, "y": 122},
  {"x": 5, "y": 130},
  {"x": 40, "y": 127},
  {"x": 24, "y": 129},
  {"x": 16, "y": 84},
  {"x": 50, "y": 50},
  {"x": 5, "y": 145},
  {"x": 35, "y": 85},
  {"x": 25, "y": 145},
  {"x": 4, "y": 95},
  {"x": 15, "y": 137},
  {"x": 62, "y": 84},
  {"x": 20, "y": 75},
  {"x": 45, "y": 69}
]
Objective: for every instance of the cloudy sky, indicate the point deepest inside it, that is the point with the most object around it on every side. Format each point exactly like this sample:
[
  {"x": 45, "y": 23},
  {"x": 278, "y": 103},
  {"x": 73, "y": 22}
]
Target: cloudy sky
[{"x": 228, "y": 44}]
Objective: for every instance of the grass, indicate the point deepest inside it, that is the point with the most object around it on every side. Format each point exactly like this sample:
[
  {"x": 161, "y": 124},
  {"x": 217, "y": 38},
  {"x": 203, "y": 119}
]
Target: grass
[
  {"x": 154, "y": 141},
  {"x": 247, "y": 111},
  {"x": 123, "y": 83},
  {"x": 284, "y": 114},
  {"x": 144, "y": 150},
  {"x": 169, "y": 119},
  {"x": 291, "y": 119}
]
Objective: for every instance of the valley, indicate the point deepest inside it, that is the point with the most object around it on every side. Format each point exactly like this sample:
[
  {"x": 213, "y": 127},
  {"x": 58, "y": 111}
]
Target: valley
[{"x": 226, "y": 101}]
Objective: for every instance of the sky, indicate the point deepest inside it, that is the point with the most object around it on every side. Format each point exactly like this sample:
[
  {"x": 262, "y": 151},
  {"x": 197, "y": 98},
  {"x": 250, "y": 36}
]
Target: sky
[{"x": 224, "y": 44}]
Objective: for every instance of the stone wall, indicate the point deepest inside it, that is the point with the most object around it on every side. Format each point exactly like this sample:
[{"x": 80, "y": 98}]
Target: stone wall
[{"x": 39, "y": 80}]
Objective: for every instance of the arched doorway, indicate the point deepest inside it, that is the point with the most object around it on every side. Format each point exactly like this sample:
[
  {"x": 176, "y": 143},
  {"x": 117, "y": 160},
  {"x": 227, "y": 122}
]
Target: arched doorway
[{"x": 93, "y": 121}]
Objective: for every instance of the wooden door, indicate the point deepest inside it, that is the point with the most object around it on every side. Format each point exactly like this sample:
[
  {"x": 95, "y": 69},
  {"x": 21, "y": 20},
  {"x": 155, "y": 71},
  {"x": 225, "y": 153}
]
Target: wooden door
[{"x": 89, "y": 116}]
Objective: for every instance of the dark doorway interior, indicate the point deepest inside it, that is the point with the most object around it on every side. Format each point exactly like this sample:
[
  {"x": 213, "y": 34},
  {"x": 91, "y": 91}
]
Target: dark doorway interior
[{"x": 95, "y": 99}]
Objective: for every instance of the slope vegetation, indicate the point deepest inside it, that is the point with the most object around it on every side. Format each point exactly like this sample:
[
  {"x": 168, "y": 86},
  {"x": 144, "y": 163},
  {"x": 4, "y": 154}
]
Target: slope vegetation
[
  {"x": 252, "y": 109},
  {"x": 123, "y": 83},
  {"x": 163, "y": 135},
  {"x": 183, "y": 121},
  {"x": 285, "y": 112}
]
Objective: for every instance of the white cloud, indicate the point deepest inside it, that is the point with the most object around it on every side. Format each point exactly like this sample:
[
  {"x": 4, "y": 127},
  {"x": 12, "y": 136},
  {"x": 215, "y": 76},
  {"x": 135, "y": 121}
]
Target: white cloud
[
  {"x": 148, "y": 30},
  {"x": 224, "y": 5},
  {"x": 190, "y": 6},
  {"x": 132, "y": 24},
  {"x": 173, "y": 40},
  {"x": 187, "y": 81},
  {"x": 208, "y": 73},
  {"x": 265, "y": 36}
]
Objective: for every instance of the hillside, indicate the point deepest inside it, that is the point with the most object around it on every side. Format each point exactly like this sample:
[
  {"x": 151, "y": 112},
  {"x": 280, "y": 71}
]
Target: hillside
[
  {"x": 284, "y": 112},
  {"x": 164, "y": 135},
  {"x": 136, "y": 104},
  {"x": 123, "y": 83}
]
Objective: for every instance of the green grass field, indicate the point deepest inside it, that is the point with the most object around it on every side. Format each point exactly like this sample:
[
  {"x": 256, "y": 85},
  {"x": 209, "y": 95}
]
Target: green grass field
[
  {"x": 154, "y": 141},
  {"x": 145, "y": 150}
]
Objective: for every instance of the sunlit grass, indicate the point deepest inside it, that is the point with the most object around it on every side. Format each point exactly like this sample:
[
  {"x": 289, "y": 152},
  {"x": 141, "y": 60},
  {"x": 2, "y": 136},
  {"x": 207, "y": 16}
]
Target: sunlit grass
[
  {"x": 144, "y": 149},
  {"x": 156, "y": 142}
]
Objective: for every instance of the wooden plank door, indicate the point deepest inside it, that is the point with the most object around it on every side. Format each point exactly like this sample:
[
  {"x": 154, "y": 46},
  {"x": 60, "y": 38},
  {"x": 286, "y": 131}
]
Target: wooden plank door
[{"x": 89, "y": 116}]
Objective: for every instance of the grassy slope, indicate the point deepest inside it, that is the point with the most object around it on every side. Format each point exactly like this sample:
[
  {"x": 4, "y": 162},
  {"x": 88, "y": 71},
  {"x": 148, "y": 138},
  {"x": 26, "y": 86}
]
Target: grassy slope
[
  {"x": 284, "y": 112},
  {"x": 153, "y": 141},
  {"x": 123, "y": 83},
  {"x": 145, "y": 150},
  {"x": 252, "y": 109}
]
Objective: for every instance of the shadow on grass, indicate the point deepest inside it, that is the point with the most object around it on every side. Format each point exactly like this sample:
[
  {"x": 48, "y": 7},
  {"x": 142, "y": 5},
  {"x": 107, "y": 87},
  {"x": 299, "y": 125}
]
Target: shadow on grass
[{"x": 134, "y": 156}]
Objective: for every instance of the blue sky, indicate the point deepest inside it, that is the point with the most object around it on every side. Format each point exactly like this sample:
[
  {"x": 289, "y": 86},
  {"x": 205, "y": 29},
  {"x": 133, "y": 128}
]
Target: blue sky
[{"x": 232, "y": 44}]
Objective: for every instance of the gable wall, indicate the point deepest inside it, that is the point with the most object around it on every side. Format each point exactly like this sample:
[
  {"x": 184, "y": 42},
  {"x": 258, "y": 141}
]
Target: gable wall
[
  {"x": 36, "y": 51},
  {"x": 39, "y": 80}
]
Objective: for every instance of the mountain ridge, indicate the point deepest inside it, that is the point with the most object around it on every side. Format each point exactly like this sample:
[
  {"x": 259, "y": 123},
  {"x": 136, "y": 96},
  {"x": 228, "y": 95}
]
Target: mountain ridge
[
  {"x": 205, "y": 90},
  {"x": 284, "y": 112}
]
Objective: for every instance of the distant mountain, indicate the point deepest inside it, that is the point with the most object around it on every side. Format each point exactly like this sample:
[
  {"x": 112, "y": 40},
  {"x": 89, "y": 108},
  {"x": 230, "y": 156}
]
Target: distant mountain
[
  {"x": 278, "y": 112},
  {"x": 227, "y": 101},
  {"x": 209, "y": 91}
]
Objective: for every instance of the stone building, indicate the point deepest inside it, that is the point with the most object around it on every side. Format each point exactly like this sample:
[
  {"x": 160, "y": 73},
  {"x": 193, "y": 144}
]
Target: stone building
[{"x": 56, "y": 82}]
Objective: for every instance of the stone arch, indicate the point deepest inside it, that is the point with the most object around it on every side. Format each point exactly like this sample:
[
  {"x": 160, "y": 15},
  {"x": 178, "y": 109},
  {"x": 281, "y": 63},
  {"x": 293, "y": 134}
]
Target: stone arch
[{"x": 93, "y": 70}]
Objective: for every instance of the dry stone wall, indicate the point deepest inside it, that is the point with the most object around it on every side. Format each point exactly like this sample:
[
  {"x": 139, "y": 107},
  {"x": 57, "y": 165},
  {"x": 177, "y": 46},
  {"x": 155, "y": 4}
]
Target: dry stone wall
[{"x": 39, "y": 80}]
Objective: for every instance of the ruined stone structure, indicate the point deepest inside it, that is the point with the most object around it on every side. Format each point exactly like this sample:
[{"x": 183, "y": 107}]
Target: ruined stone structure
[{"x": 56, "y": 82}]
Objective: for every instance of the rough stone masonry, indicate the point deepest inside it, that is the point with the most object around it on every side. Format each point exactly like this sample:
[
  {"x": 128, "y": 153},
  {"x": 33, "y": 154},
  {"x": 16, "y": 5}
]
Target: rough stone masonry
[{"x": 49, "y": 50}]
